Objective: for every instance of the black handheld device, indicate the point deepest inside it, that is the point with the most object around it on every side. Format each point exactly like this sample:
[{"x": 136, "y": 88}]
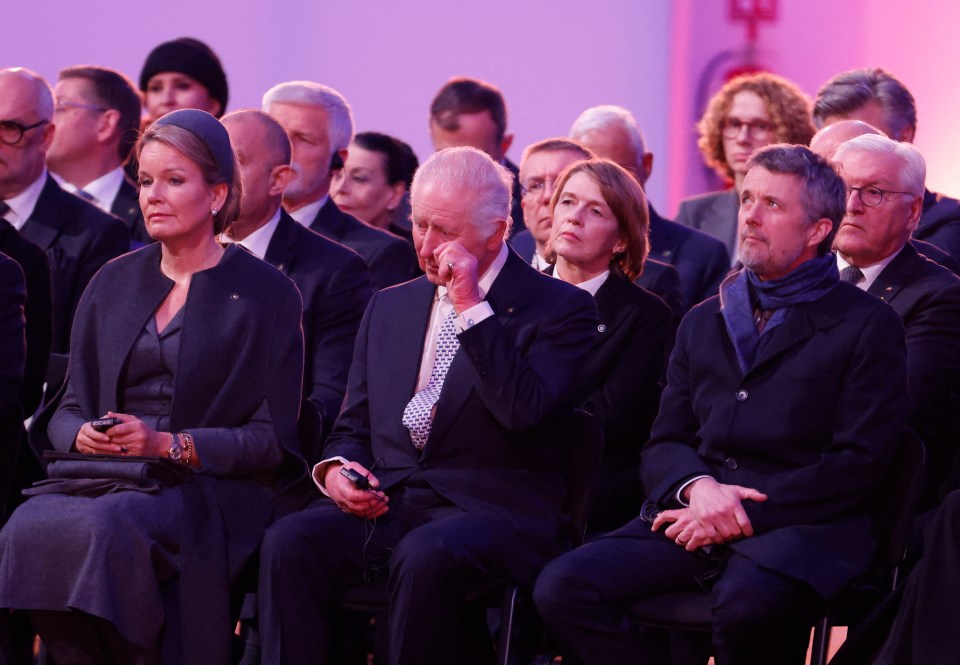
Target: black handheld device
[
  {"x": 360, "y": 482},
  {"x": 103, "y": 424}
]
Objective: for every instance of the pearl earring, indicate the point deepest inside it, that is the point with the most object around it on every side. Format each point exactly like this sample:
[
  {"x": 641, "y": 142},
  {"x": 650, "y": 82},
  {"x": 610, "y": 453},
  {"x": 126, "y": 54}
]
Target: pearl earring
[{"x": 213, "y": 211}]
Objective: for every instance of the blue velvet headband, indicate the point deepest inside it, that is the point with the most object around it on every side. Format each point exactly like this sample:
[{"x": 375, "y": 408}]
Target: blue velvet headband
[{"x": 209, "y": 130}]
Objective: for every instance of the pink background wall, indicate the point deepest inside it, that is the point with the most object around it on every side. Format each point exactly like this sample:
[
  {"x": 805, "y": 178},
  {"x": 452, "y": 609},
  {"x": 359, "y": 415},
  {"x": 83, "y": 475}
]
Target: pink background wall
[{"x": 551, "y": 58}]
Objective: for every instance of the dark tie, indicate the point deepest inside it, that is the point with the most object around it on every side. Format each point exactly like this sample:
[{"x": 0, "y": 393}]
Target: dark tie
[
  {"x": 760, "y": 318},
  {"x": 418, "y": 415},
  {"x": 851, "y": 275},
  {"x": 86, "y": 196},
  {"x": 4, "y": 209}
]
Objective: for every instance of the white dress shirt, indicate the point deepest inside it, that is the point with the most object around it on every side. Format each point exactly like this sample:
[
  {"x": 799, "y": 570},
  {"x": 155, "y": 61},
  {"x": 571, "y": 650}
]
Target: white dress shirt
[
  {"x": 22, "y": 205},
  {"x": 308, "y": 213},
  {"x": 592, "y": 285},
  {"x": 102, "y": 191},
  {"x": 258, "y": 241},
  {"x": 539, "y": 262}
]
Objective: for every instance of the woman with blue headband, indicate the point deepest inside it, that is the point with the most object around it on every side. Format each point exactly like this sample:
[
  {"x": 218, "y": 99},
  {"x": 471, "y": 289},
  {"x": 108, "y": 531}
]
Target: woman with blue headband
[{"x": 177, "y": 428}]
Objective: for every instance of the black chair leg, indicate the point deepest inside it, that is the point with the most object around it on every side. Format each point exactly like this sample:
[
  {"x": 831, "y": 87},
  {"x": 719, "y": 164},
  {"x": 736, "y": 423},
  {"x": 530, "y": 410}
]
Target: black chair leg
[{"x": 821, "y": 641}]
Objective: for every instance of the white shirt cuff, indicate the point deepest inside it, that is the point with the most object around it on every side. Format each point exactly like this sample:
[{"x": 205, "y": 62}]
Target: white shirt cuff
[
  {"x": 320, "y": 472},
  {"x": 474, "y": 315},
  {"x": 683, "y": 502}
]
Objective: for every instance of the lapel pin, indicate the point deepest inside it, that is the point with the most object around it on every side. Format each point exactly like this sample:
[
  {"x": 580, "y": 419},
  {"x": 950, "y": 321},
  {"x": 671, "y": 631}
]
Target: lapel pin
[
  {"x": 235, "y": 296},
  {"x": 602, "y": 328}
]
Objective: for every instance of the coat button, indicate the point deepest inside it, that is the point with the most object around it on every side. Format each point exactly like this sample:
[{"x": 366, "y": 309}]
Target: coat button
[
  {"x": 235, "y": 296},
  {"x": 742, "y": 395},
  {"x": 731, "y": 463}
]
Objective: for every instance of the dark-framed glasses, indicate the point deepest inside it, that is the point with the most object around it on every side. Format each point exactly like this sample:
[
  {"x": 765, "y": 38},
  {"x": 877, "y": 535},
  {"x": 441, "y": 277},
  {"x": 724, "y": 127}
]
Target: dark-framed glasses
[
  {"x": 63, "y": 105},
  {"x": 872, "y": 196},
  {"x": 756, "y": 129},
  {"x": 12, "y": 131}
]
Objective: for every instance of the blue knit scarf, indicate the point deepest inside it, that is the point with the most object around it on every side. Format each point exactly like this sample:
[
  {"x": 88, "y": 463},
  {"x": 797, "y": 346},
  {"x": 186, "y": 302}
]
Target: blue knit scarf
[{"x": 738, "y": 293}]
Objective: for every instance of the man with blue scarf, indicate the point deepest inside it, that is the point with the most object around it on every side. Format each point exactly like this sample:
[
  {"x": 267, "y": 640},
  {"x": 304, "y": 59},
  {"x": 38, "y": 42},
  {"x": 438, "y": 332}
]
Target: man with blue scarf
[{"x": 785, "y": 401}]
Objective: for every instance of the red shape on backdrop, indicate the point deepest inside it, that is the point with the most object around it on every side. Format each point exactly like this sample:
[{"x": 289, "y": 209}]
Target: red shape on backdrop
[
  {"x": 752, "y": 12},
  {"x": 734, "y": 72}
]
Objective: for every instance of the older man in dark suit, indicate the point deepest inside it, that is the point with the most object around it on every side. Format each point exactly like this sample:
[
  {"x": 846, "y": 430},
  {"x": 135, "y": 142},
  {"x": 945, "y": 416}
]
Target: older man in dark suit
[
  {"x": 612, "y": 132},
  {"x": 456, "y": 380},
  {"x": 886, "y": 183},
  {"x": 332, "y": 279},
  {"x": 77, "y": 236},
  {"x": 97, "y": 114},
  {"x": 319, "y": 123},
  {"x": 875, "y": 96},
  {"x": 785, "y": 399}
]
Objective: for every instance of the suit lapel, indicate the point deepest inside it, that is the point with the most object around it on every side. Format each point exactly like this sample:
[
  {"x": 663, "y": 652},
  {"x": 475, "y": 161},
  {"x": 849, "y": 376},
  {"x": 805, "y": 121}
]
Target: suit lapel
[
  {"x": 282, "y": 247},
  {"x": 126, "y": 205},
  {"x": 329, "y": 221},
  {"x": 895, "y": 276},
  {"x": 796, "y": 328},
  {"x": 44, "y": 225}
]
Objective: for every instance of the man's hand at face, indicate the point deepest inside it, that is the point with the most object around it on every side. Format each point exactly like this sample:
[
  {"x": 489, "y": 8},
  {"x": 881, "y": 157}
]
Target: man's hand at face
[{"x": 458, "y": 270}]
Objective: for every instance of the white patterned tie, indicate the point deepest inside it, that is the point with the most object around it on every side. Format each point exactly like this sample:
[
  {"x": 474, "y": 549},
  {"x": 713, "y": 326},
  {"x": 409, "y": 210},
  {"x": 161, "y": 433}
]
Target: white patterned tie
[{"x": 418, "y": 415}]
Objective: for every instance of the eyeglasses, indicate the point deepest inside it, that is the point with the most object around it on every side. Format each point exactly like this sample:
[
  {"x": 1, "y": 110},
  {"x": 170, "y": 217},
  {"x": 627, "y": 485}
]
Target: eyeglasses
[
  {"x": 758, "y": 129},
  {"x": 534, "y": 187},
  {"x": 63, "y": 105},
  {"x": 872, "y": 197},
  {"x": 12, "y": 131}
]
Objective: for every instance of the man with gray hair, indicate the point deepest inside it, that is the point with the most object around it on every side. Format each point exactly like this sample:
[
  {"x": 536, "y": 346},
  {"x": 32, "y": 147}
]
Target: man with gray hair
[
  {"x": 784, "y": 404},
  {"x": 319, "y": 123},
  {"x": 702, "y": 260},
  {"x": 442, "y": 464},
  {"x": 885, "y": 181},
  {"x": 875, "y": 96}
]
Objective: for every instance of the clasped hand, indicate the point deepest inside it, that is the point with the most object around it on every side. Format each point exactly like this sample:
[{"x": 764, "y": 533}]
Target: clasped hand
[
  {"x": 715, "y": 515},
  {"x": 370, "y": 503},
  {"x": 131, "y": 437}
]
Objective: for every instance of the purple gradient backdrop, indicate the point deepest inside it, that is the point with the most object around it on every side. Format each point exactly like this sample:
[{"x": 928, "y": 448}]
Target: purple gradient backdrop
[{"x": 551, "y": 58}]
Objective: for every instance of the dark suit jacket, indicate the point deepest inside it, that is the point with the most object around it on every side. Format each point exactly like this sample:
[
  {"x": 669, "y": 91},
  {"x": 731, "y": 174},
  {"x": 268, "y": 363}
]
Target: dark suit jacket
[
  {"x": 490, "y": 450},
  {"x": 714, "y": 214},
  {"x": 936, "y": 255},
  {"x": 13, "y": 351},
  {"x": 813, "y": 424},
  {"x": 523, "y": 244},
  {"x": 78, "y": 238},
  {"x": 927, "y": 298},
  {"x": 127, "y": 207},
  {"x": 940, "y": 223},
  {"x": 662, "y": 279},
  {"x": 37, "y": 311},
  {"x": 516, "y": 212},
  {"x": 241, "y": 354},
  {"x": 387, "y": 256},
  {"x": 335, "y": 287},
  {"x": 622, "y": 378},
  {"x": 701, "y": 260}
]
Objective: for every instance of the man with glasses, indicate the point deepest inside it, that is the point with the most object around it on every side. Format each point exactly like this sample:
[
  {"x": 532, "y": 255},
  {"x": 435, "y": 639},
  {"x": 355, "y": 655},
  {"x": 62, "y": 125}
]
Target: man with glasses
[
  {"x": 97, "y": 113},
  {"x": 885, "y": 183},
  {"x": 875, "y": 96},
  {"x": 77, "y": 236}
]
